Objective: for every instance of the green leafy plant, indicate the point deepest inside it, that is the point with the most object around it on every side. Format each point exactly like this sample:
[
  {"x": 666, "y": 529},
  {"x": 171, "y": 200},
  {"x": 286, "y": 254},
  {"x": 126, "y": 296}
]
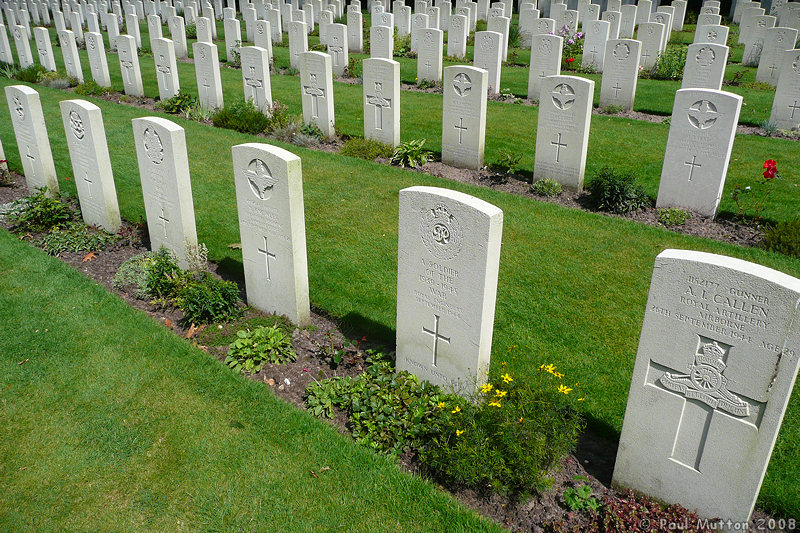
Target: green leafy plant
[
  {"x": 402, "y": 46},
  {"x": 670, "y": 64},
  {"x": 514, "y": 36},
  {"x": 411, "y": 154},
  {"x": 209, "y": 299},
  {"x": 581, "y": 499},
  {"x": 673, "y": 216},
  {"x": 368, "y": 149},
  {"x": 612, "y": 109},
  {"x": 747, "y": 198},
  {"x": 312, "y": 130},
  {"x": 428, "y": 84},
  {"x": 253, "y": 348},
  {"x": 547, "y": 187},
  {"x": 191, "y": 31},
  {"x": 243, "y": 116},
  {"x": 75, "y": 237},
  {"x": 178, "y": 104},
  {"x": 616, "y": 193},
  {"x": 198, "y": 112},
  {"x": 783, "y": 238},
  {"x": 56, "y": 80},
  {"x": 90, "y": 88},
  {"x": 572, "y": 46},
  {"x": 30, "y": 74},
  {"x": 508, "y": 162},
  {"x": 769, "y": 127},
  {"x": 39, "y": 212},
  {"x": 510, "y": 437},
  {"x": 235, "y": 55},
  {"x": 165, "y": 279},
  {"x": 354, "y": 67},
  {"x": 133, "y": 275},
  {"x": 8, "y": 70}
]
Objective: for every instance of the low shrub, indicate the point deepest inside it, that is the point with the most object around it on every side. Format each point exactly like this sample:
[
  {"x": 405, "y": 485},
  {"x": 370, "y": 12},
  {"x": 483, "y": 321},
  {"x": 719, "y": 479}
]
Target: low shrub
[
  {"x": 411, "y": 154},
  {"x": 616, "y": 193},
  {"x": 191, "y": 31},
  {"x": 30, "y": 74},
  {"x": 673, "y": 216},
  {"x": 39, "y": 212},
  {"x": 75, "y": 237},
  {"x": 515, "y": 433},
  {"x": 611, "y": 109},
  {"x": 507, "y": 163},
  {"x": 133, "y": 275},
  {"x": 670, "y": 64},
  {"x": 8, "y": 70},
  {"x": 402, "y": 46},
  {"x": 309, "y": 129},
  {"x": 368, "y": 149},
  {"x": 243, "y": 116},
  {"x": 55, "y": 80},
  {"x": 209, "y": 299},
  {"x": 165, "y": 279},
  {"x": 178, "y": 104},
  {"x": 783, "y": 238},
  {"x": 253, "y": 348},
  {"x": 90, "y": 88},
  {"x": 547, "y": 187}
]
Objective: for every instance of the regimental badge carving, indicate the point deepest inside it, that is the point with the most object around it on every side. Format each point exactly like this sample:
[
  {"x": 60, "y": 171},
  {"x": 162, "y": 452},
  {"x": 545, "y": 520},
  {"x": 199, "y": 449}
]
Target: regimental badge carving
[
  {"x": 545, "y": 46},
  {"x": 705, "y": 56},
  {"x": 762, "y": 23},
  {"x": 260, "y": 179},
  {"x": 486, "y": 43},
  {"x": 703, "y": 114},
  {"x": 90, "y": 42},
  {"x": 650, "y": 30},
  {"x": 76, "y": 125},
  {"x": 153, "y": 146},
  {"x": 596, "y": 28},
  {"x": 660, "y": 19},
  {"x": 705, "y": 382},
  {"x": 428, "y": 38},
  {"x": 611, "y": 17},
  {"x": 779, "y": 37},
  {"x": 441, "y": 232},
  {"x": 203, "y": 53},
  {"x": 542, "y": 26},
  {"x": 563, "y": 96},
  {"x": 622, "y": 51},
  {"x": 462, "y": 84},
  {"x": 17, "y": 34},
  {"x": 712, "y": 35},
  {"x": 19, "y": 108}
]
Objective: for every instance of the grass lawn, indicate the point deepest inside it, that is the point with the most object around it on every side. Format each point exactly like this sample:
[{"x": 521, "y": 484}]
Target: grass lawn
[
  {"x": 116, "y": 424},
  {"x": 572, "y": 285}
]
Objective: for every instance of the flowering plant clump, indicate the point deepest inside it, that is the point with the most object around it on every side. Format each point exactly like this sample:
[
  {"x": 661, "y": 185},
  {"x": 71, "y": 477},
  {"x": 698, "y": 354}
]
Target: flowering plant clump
[
  {"x": 572, "y": 47},
  {"x": 513, "y": 433},
  {"x": 747, "y": 199}
]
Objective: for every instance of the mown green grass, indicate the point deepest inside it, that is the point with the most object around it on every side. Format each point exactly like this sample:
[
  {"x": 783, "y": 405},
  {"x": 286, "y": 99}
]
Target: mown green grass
[
  {"x": 572, "y": 285},
  {"x": 116, "y": 424}
]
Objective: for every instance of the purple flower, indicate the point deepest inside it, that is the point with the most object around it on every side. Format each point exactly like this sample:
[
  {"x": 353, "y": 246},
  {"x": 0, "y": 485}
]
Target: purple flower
[
  {"x": 579, "y": 35},
  {"x": 570, "y": 42}
]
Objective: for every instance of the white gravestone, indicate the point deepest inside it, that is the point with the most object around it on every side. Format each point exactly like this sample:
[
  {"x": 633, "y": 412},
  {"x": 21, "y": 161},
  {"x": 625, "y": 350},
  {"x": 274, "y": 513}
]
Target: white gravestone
[
  {"x": 786, "y": 105},
  {"x": 209, "y": 82},
  {"x": 429, "y": 57},
  {"x": 545, "y": 61},
  {"x": 680, "y": 14},
  {"x": 316, "y": 85},
  {"x": 98, "y": 64},
  {"x": 665, "y": 19},
  {"x": 711, "y": 34},
  {"x": 177, "y": 30},
  {"x": 298, "y": 43},
  {"x": 23, "y": 46},
  {"x": 620, "y": 73},
  {"x": 325, "y": 20},
  {"x": 501, "y": 25},
  {"x": 705, "y": 66},
  {"x": 457, "y": 36},
  {"x": 44, "y": 49},
  {"x": 755, "y": 43},
  {"x": 233, "y": 38},
  {"x": 487, "y": 57},
  {"x": 263, "y": 37},
  {"x": 614, "y": 18},
  {"x": 418, "y": 22},
  {"x": 627, "y": 22},
  {"x": 594, "y": 47},
  {"x": 355, "y": 32},
  {"x": 27, "y": 118},
  {"x": 203, "y": 30},
  {"x": 717, "y": 361},
  {"x": 6, "y": 55},
  {"x": 748, "y": 20},
  {"x": 544, "y": 26},
  {"x": 166, "y": 68},
  {"x": 132, "y": 29},
  {"x": 129, "y": 65},
  {"x": 381, "y": 42},
  {"x": 166, "y": 186},
  {"x": 464, "y": 116},
  {"x": 698, "y": 150},
  {"x": 91, "y": 164},
  {"x": 562, "y": 134},
  {"x": 154, "y": 28},
  {"x": 448, "y": 262},
  {"x": 382, "y": 100},
  {"x": 403, "y": 21},
  {"x": 72, "y": 61},
  {"x": 337, "y": 48},
  {"x": 275, "y": 25},
  {"x": 527, "y": 26},
  {"x": 77, "y": 27},
  {"x": 645, "y": 7},
  {"x": 269, "y": 196},
  {"x": 255, "y": 77},
  {"x": 650, "y": 34},
  {"x": 776, "y": 42}
]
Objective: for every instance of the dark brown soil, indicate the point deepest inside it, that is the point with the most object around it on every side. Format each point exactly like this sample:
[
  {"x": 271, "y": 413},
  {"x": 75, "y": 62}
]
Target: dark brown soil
[{"x": 591, "y": 464}]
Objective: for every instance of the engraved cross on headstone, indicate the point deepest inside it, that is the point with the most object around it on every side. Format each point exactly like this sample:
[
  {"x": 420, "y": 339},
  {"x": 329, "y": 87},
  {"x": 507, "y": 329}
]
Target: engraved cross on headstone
[
  {"x": 315, "y": 93},
  {"x": 617, "y": 89},
  {"x": 379, "y": 102},
  {"x": 461, "y": 128},
  {"x": 794, "y": 107},
  {"x": 207, "y": 87},
  {"x": 88, "y": 183},
  {"x": 254, "y": 83},
  {"x": 645, "y": 55},
  {"x": 692, "y": 164},
  {"x": 705, "y": 392},
  {"x": 559, "y": 145},
  {"x": 436, "y": 337},
  {"x": 128, "y": 65},
  {"x": 32, "y": 159},
  {"x": 267, "y": 256},
  {"x": 164, "y": 221},
  {"x": 428, "y": 68}
]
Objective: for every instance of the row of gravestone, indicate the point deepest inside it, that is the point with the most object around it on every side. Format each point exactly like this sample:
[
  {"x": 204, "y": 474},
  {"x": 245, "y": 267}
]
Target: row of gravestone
[{"x": 718, "y": 352}]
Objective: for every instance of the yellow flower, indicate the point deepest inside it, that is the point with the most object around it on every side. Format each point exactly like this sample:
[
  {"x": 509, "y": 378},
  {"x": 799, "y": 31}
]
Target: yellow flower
[
  {"x": 507, "y": 378},
  {"x": 521, "y": 419},
  {"x": 459, "y": 432},
  {"x": 458, "y": 409},
  {"x": 441, "y": 405},
  {"x": 564, "y": 389},
  {"x": 503, "y": 363},
  {"x": 550, "y": 368},
  {"x": 500, "y": 393},
  {"x": 581, "y": 399},
  {"x": 486, "y": 388},
  {"x": 559, "y": 375},
  {"x": 495, "y": 403}
]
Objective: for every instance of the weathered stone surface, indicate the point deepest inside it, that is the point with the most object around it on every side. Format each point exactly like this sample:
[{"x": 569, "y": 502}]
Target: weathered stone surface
[
  {"x": 209, "y": 81},
  {"x": 166, "y": 68},
  {"x": 786, "y": 105},
  {"x": 382, "y": 100},
  {"x": 620, "y": 73},
  {"x": 464, "y": 116},
  {"x": 255, "y": 77},
  {"x": 25, "y": 109},
  {"x": 316, "y": 85},
  {"x": 705, "y": 66}
]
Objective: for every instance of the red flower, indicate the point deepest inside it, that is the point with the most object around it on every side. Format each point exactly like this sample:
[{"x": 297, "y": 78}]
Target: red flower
[
  {"x": 770, "y": 163},
  {"x": 571, "y": 59},
  {"x": 770, "y": 173}
]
